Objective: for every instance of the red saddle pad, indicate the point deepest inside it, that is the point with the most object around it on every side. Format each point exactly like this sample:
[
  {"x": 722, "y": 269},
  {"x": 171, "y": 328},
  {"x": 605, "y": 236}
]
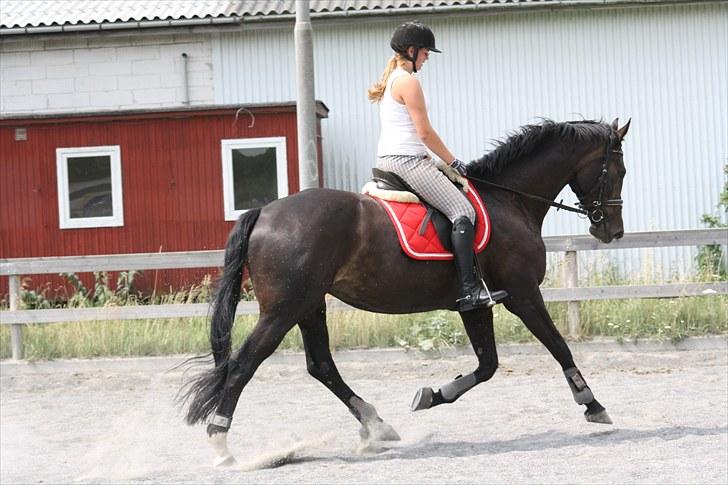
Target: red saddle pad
[{"x": 407, "y": 218}]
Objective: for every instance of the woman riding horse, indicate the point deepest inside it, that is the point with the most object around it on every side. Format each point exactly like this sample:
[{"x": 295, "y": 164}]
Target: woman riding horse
[
  {"x": 405, "y": 136},
  {"x": 300, "y": 248}
]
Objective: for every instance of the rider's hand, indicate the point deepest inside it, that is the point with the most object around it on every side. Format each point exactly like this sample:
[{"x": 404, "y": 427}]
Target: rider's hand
[{"x": 460, "y": 167}]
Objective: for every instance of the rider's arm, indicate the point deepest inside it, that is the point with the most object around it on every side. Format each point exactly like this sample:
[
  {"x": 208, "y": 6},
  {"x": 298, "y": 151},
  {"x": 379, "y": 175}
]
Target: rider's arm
[{"x": 407, "y": 90}]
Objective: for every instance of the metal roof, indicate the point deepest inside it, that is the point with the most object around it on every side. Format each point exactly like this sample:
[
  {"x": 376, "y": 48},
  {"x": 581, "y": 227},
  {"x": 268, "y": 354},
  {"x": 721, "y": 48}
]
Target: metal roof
[
  {"x": 47, "y": 13},
  {"x": 46, "y": 16},
  {"x": 31, "y": 16}
]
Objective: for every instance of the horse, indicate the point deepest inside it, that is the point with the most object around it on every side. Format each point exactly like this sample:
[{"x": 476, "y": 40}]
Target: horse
[{"x": 318, "y": 241}]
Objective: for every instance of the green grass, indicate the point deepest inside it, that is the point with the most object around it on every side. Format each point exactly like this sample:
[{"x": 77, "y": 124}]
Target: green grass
[{"x": 666, "y": 319}]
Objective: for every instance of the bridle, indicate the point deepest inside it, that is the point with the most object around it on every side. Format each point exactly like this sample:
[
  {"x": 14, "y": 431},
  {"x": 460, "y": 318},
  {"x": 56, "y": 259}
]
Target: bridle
[{"x": 594, "y": 209}]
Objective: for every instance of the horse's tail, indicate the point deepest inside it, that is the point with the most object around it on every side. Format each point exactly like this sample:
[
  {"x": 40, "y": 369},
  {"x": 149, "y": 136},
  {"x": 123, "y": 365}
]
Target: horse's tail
[
  {"x": 228, "y": 290},
  {"x": 206, "y": 388}
]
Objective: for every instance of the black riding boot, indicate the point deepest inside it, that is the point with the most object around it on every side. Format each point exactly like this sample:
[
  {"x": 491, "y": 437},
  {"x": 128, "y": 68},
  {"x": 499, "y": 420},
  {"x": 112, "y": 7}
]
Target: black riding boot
[{"x": 473, "y": 294}]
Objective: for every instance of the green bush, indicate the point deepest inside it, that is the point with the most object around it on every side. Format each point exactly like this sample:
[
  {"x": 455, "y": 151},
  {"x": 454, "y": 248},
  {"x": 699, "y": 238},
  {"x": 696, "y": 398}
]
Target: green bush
[{"x": 710, "y": 259}]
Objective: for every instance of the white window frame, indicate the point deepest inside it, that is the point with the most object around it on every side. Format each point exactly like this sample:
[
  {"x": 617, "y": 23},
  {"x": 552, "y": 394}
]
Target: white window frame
[
  {"x": 227, "y": 147},
  {"x": 117, "y": 200}
]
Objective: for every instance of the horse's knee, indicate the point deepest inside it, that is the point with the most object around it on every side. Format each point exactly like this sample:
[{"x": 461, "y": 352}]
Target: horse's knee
[
  {"x": 313, "y": 371},
  {"x": 320, "y": 371},
  {"x": 237, "y": 368},
  {"x": 485, "y": 372}
]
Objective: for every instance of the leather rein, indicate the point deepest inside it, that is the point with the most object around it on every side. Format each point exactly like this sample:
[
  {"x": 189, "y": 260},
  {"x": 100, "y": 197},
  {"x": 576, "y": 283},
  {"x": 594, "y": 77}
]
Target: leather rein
[{"x": 593, "y": 210}]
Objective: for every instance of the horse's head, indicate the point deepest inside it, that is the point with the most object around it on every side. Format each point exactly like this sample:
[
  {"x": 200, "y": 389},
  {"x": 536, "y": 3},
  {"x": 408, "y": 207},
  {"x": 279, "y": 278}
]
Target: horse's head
[{"x": 598, "y": 184}]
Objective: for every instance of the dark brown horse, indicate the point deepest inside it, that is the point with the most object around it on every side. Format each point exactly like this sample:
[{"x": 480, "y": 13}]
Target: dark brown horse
[{"x": 321, "y": 241}]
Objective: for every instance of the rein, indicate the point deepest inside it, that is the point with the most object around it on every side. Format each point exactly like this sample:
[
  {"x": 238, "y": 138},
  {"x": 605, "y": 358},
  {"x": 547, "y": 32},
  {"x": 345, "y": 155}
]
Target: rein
[
  {"x": 592, "y": 210},
  {"x": 578, "y": 210}
]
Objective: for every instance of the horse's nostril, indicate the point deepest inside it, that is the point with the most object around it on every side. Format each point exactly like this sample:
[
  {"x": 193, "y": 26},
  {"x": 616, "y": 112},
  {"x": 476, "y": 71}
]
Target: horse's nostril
[{"x": 619, "y": 235}]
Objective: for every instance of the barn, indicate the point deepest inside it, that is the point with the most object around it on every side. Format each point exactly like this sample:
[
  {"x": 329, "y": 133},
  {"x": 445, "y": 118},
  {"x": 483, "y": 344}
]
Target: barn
[
  {"x": 138, "y": 181},
  {"x": 505, "y": 63}
]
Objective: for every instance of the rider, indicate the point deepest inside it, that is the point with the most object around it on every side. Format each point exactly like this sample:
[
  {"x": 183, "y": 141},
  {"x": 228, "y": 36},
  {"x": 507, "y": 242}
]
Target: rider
[{"x": 406, "y": 135}]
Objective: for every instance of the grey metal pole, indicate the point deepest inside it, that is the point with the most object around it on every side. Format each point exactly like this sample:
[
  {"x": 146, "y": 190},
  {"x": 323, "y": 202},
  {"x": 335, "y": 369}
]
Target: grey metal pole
[
  {"x": 306, "y": 101},
  {"x": 16, "y": 331},
  {"x": 572, "y": 281}
]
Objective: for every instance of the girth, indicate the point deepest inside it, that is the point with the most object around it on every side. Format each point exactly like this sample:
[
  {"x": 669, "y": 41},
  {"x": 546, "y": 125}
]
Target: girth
[{"x": 391, "y": 181}]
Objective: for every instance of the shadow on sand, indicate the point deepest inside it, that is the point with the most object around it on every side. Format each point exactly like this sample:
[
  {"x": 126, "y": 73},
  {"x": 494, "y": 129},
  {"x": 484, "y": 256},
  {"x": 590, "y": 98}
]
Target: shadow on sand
[{"x": 534, "y": 442}]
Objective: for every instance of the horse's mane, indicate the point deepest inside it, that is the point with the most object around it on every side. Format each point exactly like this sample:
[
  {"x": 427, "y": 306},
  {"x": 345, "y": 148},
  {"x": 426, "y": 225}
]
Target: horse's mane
[{"x": 529, "y": 138}]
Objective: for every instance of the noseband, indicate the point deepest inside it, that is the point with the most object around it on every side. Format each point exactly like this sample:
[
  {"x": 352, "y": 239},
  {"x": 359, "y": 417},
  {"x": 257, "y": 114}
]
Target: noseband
[{"x": 594, "y": 210}]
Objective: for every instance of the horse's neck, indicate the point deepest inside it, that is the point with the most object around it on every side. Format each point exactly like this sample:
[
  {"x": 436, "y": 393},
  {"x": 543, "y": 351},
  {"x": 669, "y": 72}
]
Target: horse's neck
[{"x": 544, "y": 175}]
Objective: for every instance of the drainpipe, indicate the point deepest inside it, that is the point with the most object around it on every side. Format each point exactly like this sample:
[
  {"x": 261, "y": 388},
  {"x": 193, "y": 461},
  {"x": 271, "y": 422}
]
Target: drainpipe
[{"x": 186, "y": 100}]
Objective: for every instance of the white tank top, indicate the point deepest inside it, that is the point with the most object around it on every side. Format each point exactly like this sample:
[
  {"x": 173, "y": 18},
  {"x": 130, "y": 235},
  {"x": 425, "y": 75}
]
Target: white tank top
[{"x": 397, "y": 135}]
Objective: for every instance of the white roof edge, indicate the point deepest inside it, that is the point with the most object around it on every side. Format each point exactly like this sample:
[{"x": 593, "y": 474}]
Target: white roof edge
[{"x": 257, "y": 18}]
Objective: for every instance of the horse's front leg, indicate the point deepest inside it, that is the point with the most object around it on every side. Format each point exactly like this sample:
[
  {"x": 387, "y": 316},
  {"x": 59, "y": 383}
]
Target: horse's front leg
[
  {"x": 479, "y": 327},
  {"x": 532, "y": 311}
]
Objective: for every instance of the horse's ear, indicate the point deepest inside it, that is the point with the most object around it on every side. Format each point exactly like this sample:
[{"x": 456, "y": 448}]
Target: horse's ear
[
  {"x": 621, "y": 132},
  {"x": 615, "y": 124}
]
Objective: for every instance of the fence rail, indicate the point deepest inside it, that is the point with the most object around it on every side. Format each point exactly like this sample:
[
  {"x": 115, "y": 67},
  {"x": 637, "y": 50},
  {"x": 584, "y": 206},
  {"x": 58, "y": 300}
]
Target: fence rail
[{"x": 570, "y": 245}]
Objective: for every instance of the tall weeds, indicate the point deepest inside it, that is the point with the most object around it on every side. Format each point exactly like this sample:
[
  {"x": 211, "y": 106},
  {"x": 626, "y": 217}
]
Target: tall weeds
[{"x": 666, "y": 318}]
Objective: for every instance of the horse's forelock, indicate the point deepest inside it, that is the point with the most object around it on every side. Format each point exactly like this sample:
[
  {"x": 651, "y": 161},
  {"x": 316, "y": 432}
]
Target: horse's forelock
[{"x": 525, "y": 140}]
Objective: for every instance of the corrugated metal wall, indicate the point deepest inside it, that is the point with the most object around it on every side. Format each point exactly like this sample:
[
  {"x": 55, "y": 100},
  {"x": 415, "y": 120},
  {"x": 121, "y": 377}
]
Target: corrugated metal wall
[{"x": 666, "y": 67}]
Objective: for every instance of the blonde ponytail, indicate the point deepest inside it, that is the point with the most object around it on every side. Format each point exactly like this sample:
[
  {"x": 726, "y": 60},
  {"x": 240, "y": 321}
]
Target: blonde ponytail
[{"x": 376, "y": 92}]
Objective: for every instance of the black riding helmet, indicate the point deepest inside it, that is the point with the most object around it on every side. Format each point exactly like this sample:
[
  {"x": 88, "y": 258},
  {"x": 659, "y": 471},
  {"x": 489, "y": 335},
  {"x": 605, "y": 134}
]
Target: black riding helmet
[{"x": 412, "y": 34}]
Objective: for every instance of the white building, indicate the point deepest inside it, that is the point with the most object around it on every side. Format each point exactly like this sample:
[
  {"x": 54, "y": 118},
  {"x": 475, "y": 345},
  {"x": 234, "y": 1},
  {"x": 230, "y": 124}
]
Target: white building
[{"x": 505, "y": 63}]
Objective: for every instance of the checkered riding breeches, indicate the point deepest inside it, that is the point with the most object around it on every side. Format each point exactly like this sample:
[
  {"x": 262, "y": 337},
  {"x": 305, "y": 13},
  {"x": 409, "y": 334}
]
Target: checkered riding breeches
[{"x": 420, "y": 172}]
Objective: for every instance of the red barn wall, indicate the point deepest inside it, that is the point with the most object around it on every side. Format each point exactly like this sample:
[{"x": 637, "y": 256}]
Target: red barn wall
[{"x": 171, "y": 177}]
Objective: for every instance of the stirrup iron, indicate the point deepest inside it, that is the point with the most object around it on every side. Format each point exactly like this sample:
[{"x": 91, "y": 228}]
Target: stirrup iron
[{"x": 479, "y": 272}]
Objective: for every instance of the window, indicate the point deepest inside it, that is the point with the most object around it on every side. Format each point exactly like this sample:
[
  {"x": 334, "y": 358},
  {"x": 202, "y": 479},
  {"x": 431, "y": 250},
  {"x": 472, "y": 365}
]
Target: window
[
  {"x": 254, "y": 173},
  {"x": 89, "y": 187}
]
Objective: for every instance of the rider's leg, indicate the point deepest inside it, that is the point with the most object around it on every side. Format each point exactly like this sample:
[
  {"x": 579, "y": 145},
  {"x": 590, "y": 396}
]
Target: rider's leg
[
  {"x": 473, "y": 293},
  {"x": 435, "y": 188}
]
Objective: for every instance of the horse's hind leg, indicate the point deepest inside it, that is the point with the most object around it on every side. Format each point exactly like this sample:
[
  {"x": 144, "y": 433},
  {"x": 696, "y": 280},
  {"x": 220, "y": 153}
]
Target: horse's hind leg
[
  {"x": 479, "y": 327},
  {"x": 532, "y": 311},
  {"x": 259, "y": 345},
  {"x": 321, "y": 366}
]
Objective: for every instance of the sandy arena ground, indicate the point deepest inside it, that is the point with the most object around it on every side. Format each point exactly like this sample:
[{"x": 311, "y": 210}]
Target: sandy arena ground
[{"x": 112, "y": 421}]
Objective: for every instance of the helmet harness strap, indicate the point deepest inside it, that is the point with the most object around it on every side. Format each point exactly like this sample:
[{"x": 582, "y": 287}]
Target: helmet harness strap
[{"x": 412, "y": 59}]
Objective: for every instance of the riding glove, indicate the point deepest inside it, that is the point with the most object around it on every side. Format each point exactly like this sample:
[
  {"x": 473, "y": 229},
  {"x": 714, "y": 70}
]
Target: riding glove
[{"x": 461, "y": 168}]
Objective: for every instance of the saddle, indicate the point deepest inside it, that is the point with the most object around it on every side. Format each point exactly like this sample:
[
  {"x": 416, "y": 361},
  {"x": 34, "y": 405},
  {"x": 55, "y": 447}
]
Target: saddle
[
  {"x": 423, "y": 231},
  {"x": 390, "y": 181}
]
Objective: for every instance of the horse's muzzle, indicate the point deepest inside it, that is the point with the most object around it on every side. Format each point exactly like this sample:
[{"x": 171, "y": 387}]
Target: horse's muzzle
[{"x": 604, "y": 233}]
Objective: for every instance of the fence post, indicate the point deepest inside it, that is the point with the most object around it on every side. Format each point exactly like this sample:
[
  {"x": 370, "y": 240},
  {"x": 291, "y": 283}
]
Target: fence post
[
  {"x": 571, "y": 269},
  {"x": 16, "y": 330}
]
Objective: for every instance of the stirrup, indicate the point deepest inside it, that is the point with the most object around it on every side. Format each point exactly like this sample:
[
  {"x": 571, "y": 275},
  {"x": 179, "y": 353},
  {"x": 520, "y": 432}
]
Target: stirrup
[
  {"x": 473, "y": 300},
  {"x": 495, "y": 297},
  {"x": 468, "y": 302}
]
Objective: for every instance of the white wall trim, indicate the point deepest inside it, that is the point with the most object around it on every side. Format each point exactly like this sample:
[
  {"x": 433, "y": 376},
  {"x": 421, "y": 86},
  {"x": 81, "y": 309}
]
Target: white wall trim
[
  {"x": 117, "y": 200},
  {"x": 277, "y": 142}
]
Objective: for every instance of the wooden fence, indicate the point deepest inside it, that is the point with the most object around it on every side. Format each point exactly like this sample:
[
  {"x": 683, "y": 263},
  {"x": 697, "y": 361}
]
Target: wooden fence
[{"x": 570, "y": 245}]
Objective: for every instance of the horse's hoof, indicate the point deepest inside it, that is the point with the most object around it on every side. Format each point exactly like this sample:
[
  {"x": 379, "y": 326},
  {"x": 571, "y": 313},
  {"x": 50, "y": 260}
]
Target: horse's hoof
[
  {"x": 378, "y": 431},
  {"x": 383, "y": 432},
  {"x": 423, "y": 399},
  {"x": 219, "y": 444},
  {"x": 224, "y": 461},
  {"x": 600, "y": 417}
]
